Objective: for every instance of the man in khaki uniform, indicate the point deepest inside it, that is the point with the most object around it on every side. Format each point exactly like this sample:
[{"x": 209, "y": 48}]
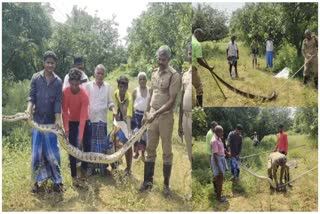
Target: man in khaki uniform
[
  {"x": 197, "y": 60},
  {"x": 186, "y": 104},
  {"x": 165, "y": 84},
  {"x": 310, "y": 52},
  {"x": 275, "y": 160}
]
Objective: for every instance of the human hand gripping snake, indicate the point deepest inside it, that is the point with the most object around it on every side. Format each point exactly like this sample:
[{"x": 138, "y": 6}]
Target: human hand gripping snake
[{"x": 91, "y": 157}]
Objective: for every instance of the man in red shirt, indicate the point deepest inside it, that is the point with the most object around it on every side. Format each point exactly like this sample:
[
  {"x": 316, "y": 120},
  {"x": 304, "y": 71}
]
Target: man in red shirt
[
  {"x": 76, "y": 122},
  {"x": 282, "y": 144}
]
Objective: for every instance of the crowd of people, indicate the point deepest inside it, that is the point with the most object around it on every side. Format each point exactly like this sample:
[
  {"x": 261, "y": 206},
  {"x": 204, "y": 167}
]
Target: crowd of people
[
  {"x": 219, "y": 150},
  {"x": 81, "y": 107}
]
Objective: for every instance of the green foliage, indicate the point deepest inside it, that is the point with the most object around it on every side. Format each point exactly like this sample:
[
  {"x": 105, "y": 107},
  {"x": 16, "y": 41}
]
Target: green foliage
[
  {"x": 161, "y": 24},
  {"x": 285, "y": 21},
  {"x": 25, "y": 30},
  {"x": 199, "y": 122},
  {"x": 306, "y": 121},
  {"x": 262, "y": 120},
  {"x": 211, "y": 20},
  {"x": 93, "y": 38}
]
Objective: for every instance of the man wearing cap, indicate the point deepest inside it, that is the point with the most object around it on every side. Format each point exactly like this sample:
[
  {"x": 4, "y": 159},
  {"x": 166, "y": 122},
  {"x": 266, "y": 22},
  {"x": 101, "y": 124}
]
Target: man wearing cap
[
  {"x": 234, "y": 145},
  {"x": 310, "y": 54},
  {"x": 165, "y": 85},
  {"x": 197, "y": 60},
  {"x": 77, "y": 63},
  {"x": 44, "y": 104}
]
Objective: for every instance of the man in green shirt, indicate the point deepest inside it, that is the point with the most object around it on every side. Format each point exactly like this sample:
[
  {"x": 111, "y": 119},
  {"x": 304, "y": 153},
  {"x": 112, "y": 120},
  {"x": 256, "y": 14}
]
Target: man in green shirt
[{"x": 197, "y": 60}]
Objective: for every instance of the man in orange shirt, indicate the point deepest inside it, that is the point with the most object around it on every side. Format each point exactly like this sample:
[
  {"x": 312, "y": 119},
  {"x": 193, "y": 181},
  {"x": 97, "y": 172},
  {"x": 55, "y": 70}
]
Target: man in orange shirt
[
  {"x": 282, "y": 144},
  {"x": 75, "y": 117}
]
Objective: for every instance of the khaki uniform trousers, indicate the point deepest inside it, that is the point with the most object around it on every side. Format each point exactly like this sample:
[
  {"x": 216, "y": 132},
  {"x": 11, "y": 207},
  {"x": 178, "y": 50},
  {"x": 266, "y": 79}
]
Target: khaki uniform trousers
[
  {"x": 312, "y": 63},
  {"x": 196, "y": 81},
  {"x": 187, "y": 131},
  {"x": 161, "y": 127}
]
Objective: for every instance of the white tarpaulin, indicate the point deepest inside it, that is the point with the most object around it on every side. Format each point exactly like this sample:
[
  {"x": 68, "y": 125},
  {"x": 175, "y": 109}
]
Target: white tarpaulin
[{"x": 284, "y": 73}]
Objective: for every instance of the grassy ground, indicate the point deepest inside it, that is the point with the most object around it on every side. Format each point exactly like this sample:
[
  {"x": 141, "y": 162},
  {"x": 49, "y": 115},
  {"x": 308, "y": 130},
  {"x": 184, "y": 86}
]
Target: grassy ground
[
  {"x": 257, "y": 81},
  {"x": 115, "y": 192},
  {"x": 252, "y": 194}
]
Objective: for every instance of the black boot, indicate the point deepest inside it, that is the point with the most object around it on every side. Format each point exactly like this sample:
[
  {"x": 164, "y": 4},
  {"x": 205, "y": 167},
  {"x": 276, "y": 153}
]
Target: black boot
[
  {"x": 148, "y": 176},
  {"x": 199, "y": 100},
  {"x": 305, "y": 80},
  {"x": 166, "y": 174}
]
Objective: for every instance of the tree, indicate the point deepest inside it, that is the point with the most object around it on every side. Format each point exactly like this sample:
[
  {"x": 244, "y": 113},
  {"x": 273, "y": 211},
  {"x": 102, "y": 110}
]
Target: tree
[
  {"x": 306, "y": 121},
  {"x": 211, "y": 20},
  {"x": 297, "y": 17},
  {"x": 161, "y": 24},
  {"x": 95, "y": 39},
  {"x": 25, "y": 30}
]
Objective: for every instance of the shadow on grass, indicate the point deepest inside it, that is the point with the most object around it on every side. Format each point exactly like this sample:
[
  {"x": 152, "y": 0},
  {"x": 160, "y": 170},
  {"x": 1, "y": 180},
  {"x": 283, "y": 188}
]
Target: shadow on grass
[
  {"x": 217, "y": 206},
  {"x": 237, "y": 188}
]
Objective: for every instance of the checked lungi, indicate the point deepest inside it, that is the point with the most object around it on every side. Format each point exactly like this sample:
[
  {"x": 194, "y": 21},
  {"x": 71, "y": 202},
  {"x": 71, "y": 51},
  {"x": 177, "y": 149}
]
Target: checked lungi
[
  {"x": 99, "y": 142},
  {"x": 136, "y": 124},
  {"x": 235, "y": 168},
  {"x": 46, "y": 160}
]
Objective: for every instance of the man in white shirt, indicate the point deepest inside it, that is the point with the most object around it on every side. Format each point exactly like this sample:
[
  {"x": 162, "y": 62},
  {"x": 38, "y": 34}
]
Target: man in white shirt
[
  {"x": 233, "y": 55},
  {"x": 269, "y": 53},
  {"x": 77, "y": 63},
  {"x": 100, "y": 100}
]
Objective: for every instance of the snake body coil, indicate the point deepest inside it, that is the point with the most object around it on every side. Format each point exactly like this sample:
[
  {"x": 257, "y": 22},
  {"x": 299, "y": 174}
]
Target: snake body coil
[{"x": 74, "y": 151}]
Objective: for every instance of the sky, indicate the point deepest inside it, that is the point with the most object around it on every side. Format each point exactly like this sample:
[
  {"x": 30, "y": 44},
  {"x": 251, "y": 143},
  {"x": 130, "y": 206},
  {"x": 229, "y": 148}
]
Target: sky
[{"x": 125, "y": 11}]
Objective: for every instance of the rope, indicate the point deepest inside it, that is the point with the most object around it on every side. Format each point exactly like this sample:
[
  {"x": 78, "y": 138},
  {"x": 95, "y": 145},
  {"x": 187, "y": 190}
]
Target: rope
[
  {"x": 249, "y": 156},
  {"x": 316, "y": 167},
  {"x": 294, "y": 74}
]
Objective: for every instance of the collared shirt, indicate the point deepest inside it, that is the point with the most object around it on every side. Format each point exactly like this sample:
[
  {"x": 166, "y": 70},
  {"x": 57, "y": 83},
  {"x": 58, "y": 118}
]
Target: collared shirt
[
  {"x": 66, "y": 80},
  {"x": 232, "y": 49},
  {"x": 269, "y": 46},
  {"x": 187, "y": 88},
  {"x": 217, "y": 146},
  {"x": 282, "y": 144},
  {"x": 46, "y": 97},
  {"x": 234, "y": 140},
  {"x": 209, "y": 136},
  {"x": 310, "y": 47},
  {"x": 100, "y": 100},
  {"x": 125, "y": 107},
  {"x": 196, "y": 51},
  {"x": 164, "y": 84}
]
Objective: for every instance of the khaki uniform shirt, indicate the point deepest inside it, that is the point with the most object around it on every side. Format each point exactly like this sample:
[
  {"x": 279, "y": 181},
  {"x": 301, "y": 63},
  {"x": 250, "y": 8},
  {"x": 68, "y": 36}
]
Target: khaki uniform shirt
[
  {"x": 164, "y": 84},
  {"x": 310, "y": 47}
]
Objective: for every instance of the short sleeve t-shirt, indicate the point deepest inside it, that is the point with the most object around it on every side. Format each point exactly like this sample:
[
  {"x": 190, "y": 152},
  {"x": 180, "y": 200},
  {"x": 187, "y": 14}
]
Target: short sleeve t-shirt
[{"x": 196, "y": 51}]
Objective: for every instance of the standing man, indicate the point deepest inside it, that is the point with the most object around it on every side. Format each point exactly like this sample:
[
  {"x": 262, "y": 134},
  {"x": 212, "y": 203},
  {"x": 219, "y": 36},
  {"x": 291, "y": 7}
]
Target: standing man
[
  {"x": 233, "y": 55},
  {"x": 234, "y": 144},
  {"x": 77, "y": 63},
  {"x": 185, "y": 110},
  {"x": 310, "y": 54},
  {"x": 282, "y": 144},
  {"x": 254, "y": 52},
  {"x": 197, "y": 60},
  {"x": 269, "y": 52},
  {"x": 44, "y": 103},
  {"x": 165, "y": 85},
  {"x": 209, "y": 136},
  {"x": 100, "y": 99}
]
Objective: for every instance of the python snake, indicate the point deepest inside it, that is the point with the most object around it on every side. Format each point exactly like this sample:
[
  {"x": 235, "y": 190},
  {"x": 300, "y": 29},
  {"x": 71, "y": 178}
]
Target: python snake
[
  {"x": 245, "y": 94},
  {"x": 91, "y": 157}
]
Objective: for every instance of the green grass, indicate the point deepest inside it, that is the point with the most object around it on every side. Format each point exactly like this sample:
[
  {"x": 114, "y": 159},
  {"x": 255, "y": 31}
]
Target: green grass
[
  {"x": 115, "y": 192},
  {"x": 252, "y": 194},
  {"x": 256, "y": 81}
]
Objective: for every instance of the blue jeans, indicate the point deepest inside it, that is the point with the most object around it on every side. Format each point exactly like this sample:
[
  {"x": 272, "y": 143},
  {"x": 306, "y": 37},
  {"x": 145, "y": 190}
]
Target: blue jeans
[
  {"x": 235, "y": 168},
  {"x": 269, "y": 57}
]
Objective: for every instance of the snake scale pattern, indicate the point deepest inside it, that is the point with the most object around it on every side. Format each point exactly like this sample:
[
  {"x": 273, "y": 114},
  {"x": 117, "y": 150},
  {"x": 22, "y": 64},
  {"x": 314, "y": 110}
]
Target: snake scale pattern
[{"x": 91, "y": 157}]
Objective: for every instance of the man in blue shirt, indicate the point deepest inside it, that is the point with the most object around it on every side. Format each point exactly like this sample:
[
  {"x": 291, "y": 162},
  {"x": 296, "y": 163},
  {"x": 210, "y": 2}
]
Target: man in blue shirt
[{"x": 44, "y": 103}]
